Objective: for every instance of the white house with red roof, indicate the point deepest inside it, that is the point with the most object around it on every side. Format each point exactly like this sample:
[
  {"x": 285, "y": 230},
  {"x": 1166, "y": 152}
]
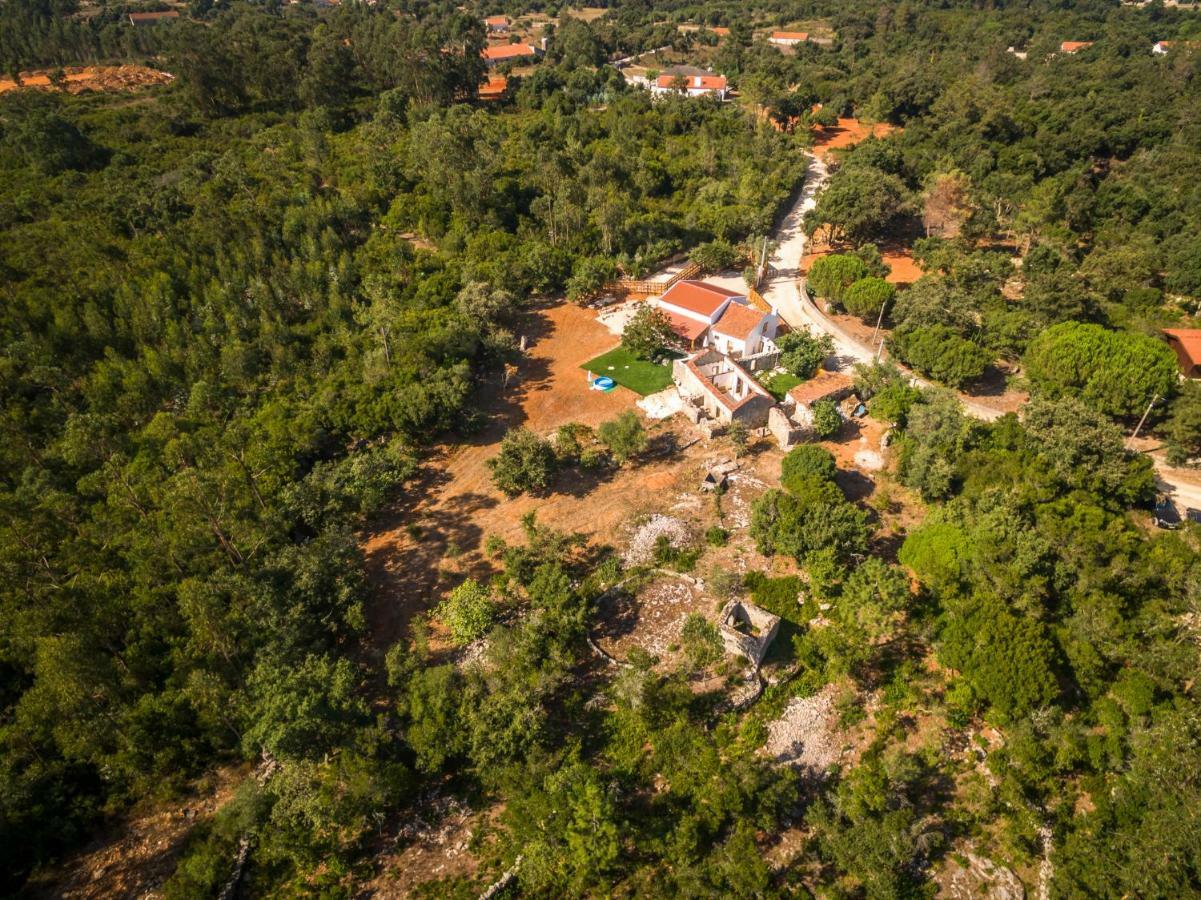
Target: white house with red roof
[
  {"x": 788, "y": 38},
  {"x": 500, "y": 53},
  {"x": 705, "y": 85},
  {"x": 708, "y": 315},
  {"x": 497, "y": 24}
]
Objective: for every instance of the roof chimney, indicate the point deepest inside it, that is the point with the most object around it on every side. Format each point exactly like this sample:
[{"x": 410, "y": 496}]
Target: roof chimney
[{"x": 696, "y": 80}]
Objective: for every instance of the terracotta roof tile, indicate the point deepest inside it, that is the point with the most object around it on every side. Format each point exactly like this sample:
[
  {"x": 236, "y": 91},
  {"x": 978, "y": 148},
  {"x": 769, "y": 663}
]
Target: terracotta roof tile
[
  {"x": 693, "y": 82},
  {"x": 738, "y": 321},
  {"x": 698, "y": 297},
  {"x": 509, "y": 51},
  {"x": 688, "y": 329},
  {"x": 820, "y": 386}
]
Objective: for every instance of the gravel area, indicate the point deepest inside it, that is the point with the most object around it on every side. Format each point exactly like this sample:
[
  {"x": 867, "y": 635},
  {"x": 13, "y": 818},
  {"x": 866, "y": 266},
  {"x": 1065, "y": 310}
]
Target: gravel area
[
  {"x": 805, "y": 735},
  {"x": 662, "y": 405},
  {"x": 642, "y": 544}
]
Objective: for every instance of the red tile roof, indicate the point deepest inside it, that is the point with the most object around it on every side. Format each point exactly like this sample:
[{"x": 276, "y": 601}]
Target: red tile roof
[
  {"x": 494, "y": 88},
  {"x": 738, "y": 321},
  {"x": 1073, "y": 46},
  {"x": 720, "y": 30},
  {"x": 693, "y": 82},
  {"x": 1187, "y": 344},
  {"x": 496, "y": 20},
  {"x": 822, "y": 385},
  {"x": 790, "y": 35},
  {"x": 509, "y": 51},
  {"x": 698, "y": 297},
  {"x": 688, "y": 329}
]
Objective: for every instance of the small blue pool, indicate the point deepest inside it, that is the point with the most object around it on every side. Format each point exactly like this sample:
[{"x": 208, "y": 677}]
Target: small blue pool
[{"x": 603, "y": 383}]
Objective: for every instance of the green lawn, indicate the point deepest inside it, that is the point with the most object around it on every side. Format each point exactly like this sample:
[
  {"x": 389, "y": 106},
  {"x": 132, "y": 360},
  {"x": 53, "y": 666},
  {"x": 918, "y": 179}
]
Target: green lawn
[
  {"x": 638, "y": 375},
  {"x": 779, "y": 384}
]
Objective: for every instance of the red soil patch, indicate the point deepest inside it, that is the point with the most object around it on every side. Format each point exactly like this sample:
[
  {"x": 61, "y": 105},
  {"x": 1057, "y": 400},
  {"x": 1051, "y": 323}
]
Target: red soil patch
[
  {"x": 108, "y": 79},
  {"x": 846, "y": 133}
]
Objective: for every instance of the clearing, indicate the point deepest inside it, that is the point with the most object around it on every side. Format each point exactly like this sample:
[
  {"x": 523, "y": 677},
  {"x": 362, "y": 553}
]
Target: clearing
[
  {"x": 107, "y": 79},
  {"x": 639, "y": 375},
  {"x": 845, "y": 134},
  {"x": 433, "y": 537}
]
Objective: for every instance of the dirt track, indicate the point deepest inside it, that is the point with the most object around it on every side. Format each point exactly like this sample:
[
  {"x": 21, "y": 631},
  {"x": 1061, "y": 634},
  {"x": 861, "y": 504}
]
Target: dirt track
[{"x": 107, "y": 79}]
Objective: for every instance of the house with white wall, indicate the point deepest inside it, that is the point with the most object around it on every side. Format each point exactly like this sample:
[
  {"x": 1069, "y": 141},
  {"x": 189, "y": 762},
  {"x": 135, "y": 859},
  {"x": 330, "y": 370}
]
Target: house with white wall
[
  {"x": 704, "y": 85},
  {"x": 708, "y": 315},
  {"x": 788, "y": 38}
]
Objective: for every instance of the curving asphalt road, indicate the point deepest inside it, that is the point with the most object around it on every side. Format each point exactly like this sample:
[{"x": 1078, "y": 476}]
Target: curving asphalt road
[{"x": 785, "y": 290}]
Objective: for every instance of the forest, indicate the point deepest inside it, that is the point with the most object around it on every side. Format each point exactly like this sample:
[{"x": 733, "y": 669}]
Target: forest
[{"x": 237, "y": 313}]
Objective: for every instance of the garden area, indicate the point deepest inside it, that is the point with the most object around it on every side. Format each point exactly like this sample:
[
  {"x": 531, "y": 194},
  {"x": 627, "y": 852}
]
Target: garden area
[{"x": 639, "y": 375}]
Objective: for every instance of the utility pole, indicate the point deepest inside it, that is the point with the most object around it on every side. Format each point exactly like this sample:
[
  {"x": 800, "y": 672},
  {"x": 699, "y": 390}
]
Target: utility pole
[
  {"x": 1139, "y": 426},
  {"x": 879, "y": 320}
]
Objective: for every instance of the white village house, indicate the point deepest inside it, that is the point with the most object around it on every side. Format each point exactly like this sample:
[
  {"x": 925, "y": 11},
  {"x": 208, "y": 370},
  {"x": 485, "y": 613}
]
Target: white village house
[
  {"x": 703, "y": 85},
  {"x": 706, "y": 315}
]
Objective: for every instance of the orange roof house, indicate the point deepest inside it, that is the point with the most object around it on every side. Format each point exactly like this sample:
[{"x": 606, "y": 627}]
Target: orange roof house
[
  {"x": 696, "y": 297},
  {"x": 692, "y": 85},
  {"x": 497, "y": 23},
  {"x": 788, "y": 38},
  {"x": 1074, "y": 46},
  {"x": 720, "y": 31},
  {"x": 706, "y": 315},
  {"x": 1187, "y": 344},
  {"x": 494, "y": 88},
  {"x": 494, "y": 56}
]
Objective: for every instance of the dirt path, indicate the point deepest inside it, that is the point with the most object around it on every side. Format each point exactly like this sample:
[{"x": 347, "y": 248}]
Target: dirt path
[{"x": 108, "y": 79}]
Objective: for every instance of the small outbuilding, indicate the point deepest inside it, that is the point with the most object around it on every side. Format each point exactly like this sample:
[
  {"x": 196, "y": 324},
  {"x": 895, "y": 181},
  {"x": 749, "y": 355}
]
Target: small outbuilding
[{"x": 747, "y": 630}]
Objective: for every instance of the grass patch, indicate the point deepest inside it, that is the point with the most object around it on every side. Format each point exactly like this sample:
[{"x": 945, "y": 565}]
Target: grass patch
[
  {"x": 779, "y": 384},
  {"x": 629, "y": 371}
]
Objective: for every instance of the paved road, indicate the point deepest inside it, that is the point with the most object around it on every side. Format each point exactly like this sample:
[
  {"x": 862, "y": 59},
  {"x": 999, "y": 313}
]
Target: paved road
[{"x": 787, "y": 294}]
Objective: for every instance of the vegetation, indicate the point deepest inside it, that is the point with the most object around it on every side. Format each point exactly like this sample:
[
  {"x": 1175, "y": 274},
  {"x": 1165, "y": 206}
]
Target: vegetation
[
  {"x": 526, "y": 462},
  {"x": 648, "y": 333},
  {"x": 624, "y": 436},
  {"x": 802, "y": 353},
  {"x": 238, "y": 310}
]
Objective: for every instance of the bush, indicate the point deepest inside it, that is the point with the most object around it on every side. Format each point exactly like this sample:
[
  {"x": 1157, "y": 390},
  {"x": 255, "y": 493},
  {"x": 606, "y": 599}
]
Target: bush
[
  {"x": 816, "y": 519},
  {"x": 826, "y": 418},
  {"x": 802, "y": 353},
  {"x": 648, "y": 333},
  {"x": 804, "y": 462},
  {"x": 717, "y": 536},
  {"x": 1116, "y": 372},
  {"x": 831, "y": 276},
  {"x": 525, "y": 462},
  {"x": 867, "y": 296},
  {"x": 467, "y": 612},
  {"x": 941, "y": 353},
  {"x": 715, "y": 256},
  {"x": 700, "y": 641},
  {"x": 624, "y": 436}
]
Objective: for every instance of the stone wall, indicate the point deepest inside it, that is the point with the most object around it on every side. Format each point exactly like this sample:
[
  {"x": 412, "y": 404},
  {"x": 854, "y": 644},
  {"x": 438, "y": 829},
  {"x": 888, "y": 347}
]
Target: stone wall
[{"x": 747, "y": 630}]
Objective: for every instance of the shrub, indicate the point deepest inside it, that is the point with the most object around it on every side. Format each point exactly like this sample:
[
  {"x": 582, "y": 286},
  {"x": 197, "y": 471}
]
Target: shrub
[
  {"x": 867, "y": 296},
  {"x": 804, "y": 462},
  {"x": 624, "y": 436},
  {"x": 467, "y": 612},
  {"x": 648, "y": 333},
  {"x": 826, "y": 418},
  {"x": 830, "y": 276},
  {"x": 525, "y": 462},
  {"x": 717, "y": 536},
  {"x": 700, "y": 641}
]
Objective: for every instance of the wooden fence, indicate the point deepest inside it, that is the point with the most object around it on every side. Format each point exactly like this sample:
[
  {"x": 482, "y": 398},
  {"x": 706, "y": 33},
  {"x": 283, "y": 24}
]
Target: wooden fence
[{"x": 635, "y": 287}]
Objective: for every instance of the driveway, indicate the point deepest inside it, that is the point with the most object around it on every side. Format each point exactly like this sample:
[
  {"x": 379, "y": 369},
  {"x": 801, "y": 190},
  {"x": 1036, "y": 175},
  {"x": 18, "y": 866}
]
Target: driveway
[{"x": 785, "y": 291}]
